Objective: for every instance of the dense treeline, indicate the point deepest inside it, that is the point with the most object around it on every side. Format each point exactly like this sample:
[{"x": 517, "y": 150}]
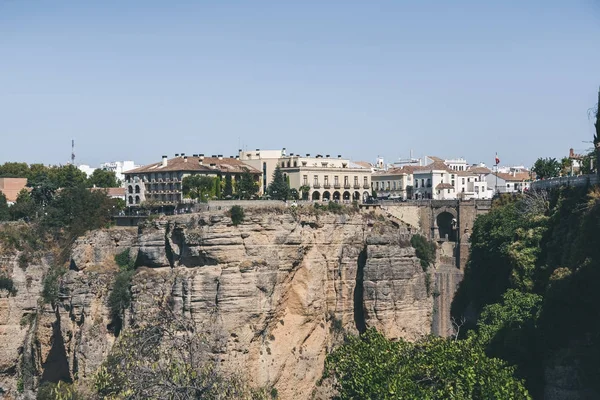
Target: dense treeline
[
  {"x": 534, "y": 268},
  {"x": 57, "y": 176}
]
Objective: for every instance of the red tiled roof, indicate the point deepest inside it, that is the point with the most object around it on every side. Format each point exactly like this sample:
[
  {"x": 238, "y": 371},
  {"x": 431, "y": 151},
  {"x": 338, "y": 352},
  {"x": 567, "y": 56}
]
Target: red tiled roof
[
  {"x": 518, "y": 177},
  {"x": 192, "y": 164},
  {"x": 480, "y": 170},
  {"x": 111, "y": 192},
  {"x": 364, "y": 164}
]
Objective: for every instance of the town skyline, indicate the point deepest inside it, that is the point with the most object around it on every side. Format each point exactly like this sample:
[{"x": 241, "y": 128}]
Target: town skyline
[{"x": 138, "y": 80}]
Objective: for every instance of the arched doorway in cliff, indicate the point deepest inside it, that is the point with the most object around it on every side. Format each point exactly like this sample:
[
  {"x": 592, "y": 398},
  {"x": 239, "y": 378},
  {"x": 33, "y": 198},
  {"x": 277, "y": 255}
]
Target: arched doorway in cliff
[
  {"x": 326, "y": 195},
  {"x": 446, "y": 224},
  {"x": 336, "y": 196},
  {"x": 316, "y": 195}
]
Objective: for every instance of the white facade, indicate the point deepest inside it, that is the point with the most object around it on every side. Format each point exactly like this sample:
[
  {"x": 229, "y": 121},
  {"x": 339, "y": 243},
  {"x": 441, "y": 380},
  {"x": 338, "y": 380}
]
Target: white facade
[
  {"x": 471, "y": 185},
  {"x": 87, "y": 169},
  {"x": 119, "y": 168},
  {"x": 508, "y": 183},
  {"x": 434, "y": 181},
  {"x": 457, "y": 164}
]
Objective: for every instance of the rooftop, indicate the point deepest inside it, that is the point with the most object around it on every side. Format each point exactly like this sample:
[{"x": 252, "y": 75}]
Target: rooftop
[{"x": 192, "y": 164}]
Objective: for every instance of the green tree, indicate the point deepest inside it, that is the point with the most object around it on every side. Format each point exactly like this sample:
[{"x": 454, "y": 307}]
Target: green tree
[
  {"x": 14, "y": 170},
  {"x": 597, "y": 133},
  {"x": 24, "y": 207},
  {"x": 566, "y": 165},
  {"x": 279, "y": 188},
  {"x": 67, "y": 176},
  {"x": 198, "y": 187},
  {"x": 103, "y": 179},
  {"x": 4, "y": 210},
  {"x": 546, "y": 168},
  {"x": 246, "y": 188},
  {"x": 373, "y": 367},
  {"x": 304, "y": 189},
  {"x": 228, "y": 189},
  {"x": 237, "y": 215}
]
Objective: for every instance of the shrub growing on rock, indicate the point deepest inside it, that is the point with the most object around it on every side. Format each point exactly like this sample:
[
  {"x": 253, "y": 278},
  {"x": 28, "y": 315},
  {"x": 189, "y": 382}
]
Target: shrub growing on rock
[{"x": 237, "y": 215}]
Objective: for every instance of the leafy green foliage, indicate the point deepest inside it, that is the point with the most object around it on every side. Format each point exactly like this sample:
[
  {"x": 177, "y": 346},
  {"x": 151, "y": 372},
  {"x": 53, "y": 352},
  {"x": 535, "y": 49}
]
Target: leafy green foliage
[
  {"x": 103, "y": 179},
  {"x": 546, "y": 168},
  {"x": 237, "y": 215},
  {"x": 530, "y": 278},
  {"x": 58, "y": 391},
  {"x": 246, "y": 188},
  {"x": 51, "y": 285},
  {"x": 4, "y": 210},
  {"x": 424, "y": 249},
  {"x": 228, "y": 188},
  {"x": 125, "y": 261},
  {"x": 279, "y": 188},
  {"x": 373, "y": 367},
  {"x": 198, "y": 187},
  {"x": 120, "y": 295},
  {"x": 6, "y": 283}
]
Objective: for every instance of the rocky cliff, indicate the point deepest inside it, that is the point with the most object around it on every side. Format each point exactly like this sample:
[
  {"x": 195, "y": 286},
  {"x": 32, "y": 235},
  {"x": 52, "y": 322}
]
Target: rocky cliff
[{"x": 272, "y": 295}]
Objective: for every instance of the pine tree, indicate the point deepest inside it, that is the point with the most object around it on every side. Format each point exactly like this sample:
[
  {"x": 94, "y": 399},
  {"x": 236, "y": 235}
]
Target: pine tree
[
  {"x": 279, "y": 189},
  {"x": 597, "y": 134},
  {"x": 228, "y": 189}
]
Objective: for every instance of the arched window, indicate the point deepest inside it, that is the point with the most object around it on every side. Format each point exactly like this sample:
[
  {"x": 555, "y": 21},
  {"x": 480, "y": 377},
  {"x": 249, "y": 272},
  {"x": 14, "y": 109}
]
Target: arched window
[
  {"x": 130, "y": 189},
  {"x": 137, "y": 189},
  {"x": 130, "y": 199}
]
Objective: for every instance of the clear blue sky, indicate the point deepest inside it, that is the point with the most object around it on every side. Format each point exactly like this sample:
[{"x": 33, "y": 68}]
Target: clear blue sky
[{"x": 138, "y": 79}]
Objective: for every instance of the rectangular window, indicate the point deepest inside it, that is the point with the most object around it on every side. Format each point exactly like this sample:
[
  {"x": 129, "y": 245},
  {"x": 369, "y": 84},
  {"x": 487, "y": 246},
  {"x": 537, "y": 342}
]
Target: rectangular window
[
  {"x": 336, "y": 180},
  {"x": 316, "y": 179},
  {"x": 326, "y": 181},
  {"x": 305, "y": 180},
  {"x": 463, "y": 181}
]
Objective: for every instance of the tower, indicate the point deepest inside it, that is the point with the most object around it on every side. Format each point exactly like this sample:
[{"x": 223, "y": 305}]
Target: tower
[{"x": 73, "y": 152}]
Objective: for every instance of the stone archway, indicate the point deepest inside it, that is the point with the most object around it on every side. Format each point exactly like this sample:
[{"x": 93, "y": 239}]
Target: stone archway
[
  {"x": 346, "y": 196},
  {"x": 356, "y": 196},
  {"x": 446, "y": 224},
  {"x": 326, "y": 195},
  {"x": 316, "y": 195},
  {"x": 365, "y": 196},
  {"x": 336, "y": 196}
]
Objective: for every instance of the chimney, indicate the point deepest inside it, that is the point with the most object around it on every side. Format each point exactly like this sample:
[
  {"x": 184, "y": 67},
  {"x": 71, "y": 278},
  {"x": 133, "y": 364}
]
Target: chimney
[
  {"x": 307, "y": 154},
  {"x": 327, "y": 156},
  {"x": 201, "y": 159},
  {"x": 184, "y": 158},
  {"x": 571, "y": 153},
  {"x": 291, "y": 154},
  {"x": 213, "y": 165},
  {"x": 237, "y": 157},
  {"x": 231, "y": 157},
  {"x": 176, "y": 154},
  {"x": 220, "y": 156},
  {"x": 182, "y": 154},
  {"x": 339, "y": 156},
  {"x": 195, "y": 155},
  {"x": 214, "y": 156},
  {"x": 257, "y": 149},
  {"x": 283, "y": 152},
  {"x": 164, "y": 161}
]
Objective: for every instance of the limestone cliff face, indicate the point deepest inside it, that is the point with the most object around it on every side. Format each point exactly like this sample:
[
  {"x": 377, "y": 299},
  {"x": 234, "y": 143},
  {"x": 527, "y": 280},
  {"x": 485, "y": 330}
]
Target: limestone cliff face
[{"x": 273, "y": 295}]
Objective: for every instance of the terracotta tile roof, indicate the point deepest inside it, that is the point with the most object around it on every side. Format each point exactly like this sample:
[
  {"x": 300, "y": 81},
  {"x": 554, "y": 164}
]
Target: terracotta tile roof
[
  {"x": 435, "y": 159},
  {"x": 518, "y": 177},
  {"x": 444, "y": 186},
  {"x": 364, "y": 164},
  {"x": 391, "y": 171},
  {"x": 192, "y": 164},
  {"x": 480, "y": 170},
  {"x": 111, "y": 192}
]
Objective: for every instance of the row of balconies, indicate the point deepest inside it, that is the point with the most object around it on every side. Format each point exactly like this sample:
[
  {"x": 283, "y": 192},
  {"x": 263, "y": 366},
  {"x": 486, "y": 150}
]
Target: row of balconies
[{"x": 338, "y": 186}]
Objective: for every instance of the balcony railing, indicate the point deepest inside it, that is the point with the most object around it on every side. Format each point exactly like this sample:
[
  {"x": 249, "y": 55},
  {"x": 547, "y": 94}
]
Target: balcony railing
[
  {"x": 366, "y": 186},
  {"x": 356, "y": 186},
  {"x": 346, "y": 186},
  {"x": 317, "y": 185},
  {"x": 327, "y": 186},
  {"x": 336, "y": 186}
]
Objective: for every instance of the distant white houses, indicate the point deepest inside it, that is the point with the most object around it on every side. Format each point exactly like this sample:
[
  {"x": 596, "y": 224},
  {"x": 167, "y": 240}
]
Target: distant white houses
[
  {"x": 119, "y": 168},
  {"x": 87, "y": 169}
]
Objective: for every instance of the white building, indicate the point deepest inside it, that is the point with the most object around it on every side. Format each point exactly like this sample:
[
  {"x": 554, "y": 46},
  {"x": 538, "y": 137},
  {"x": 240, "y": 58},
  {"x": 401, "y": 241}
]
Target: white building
[
  {"x": 395, "y": 183},
  {"x": 434, "y": 181},
  {"x": 515, "y": 182},
  {"x": 87, "y": 169},
  {"x": 119, "y": 168}
]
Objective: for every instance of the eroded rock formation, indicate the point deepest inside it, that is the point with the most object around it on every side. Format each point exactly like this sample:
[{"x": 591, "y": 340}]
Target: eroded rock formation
[{"x": 272, "y": 295}]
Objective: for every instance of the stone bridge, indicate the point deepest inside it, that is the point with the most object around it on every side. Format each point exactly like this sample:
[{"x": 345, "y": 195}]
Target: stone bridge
[{"x": 449, "y": 223}]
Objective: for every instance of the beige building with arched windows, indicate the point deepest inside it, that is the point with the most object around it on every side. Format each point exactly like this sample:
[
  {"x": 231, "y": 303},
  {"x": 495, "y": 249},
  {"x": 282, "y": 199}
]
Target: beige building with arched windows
[{"x": 327, "y": 178}]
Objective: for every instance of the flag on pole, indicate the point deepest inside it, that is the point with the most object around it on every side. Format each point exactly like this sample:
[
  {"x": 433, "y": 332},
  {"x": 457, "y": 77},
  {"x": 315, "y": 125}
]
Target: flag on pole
[{"x": 497, "y": 159}]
